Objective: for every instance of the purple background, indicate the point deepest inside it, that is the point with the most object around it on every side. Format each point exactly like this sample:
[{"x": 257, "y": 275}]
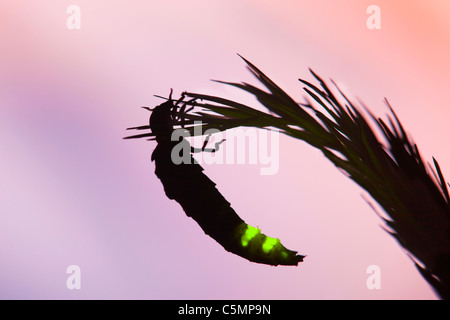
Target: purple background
[{"x": 73, "y": 192}]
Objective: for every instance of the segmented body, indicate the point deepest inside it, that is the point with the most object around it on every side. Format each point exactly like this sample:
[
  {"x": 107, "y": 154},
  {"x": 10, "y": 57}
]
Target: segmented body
[{"x": 198, "y": 196}]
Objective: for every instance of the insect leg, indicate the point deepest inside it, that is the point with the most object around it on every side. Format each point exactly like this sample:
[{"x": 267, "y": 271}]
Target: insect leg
[
  {"x": 180, "y": 115},
  {"x": 205, "y": 143},
  {"x": 175, "y": 105}
]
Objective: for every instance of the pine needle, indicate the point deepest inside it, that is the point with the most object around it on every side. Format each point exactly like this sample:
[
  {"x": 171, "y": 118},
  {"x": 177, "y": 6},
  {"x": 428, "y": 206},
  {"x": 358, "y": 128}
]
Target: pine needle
[{"x": 413, "y": 194}]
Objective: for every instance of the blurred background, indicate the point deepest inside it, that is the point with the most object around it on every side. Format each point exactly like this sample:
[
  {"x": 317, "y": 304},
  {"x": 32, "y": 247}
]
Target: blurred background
[{"x": 74, "y": 193}]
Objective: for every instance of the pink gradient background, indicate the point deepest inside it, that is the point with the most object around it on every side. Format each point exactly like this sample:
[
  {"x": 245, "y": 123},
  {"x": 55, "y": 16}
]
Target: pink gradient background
[{"x": 73, "y": 192}]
